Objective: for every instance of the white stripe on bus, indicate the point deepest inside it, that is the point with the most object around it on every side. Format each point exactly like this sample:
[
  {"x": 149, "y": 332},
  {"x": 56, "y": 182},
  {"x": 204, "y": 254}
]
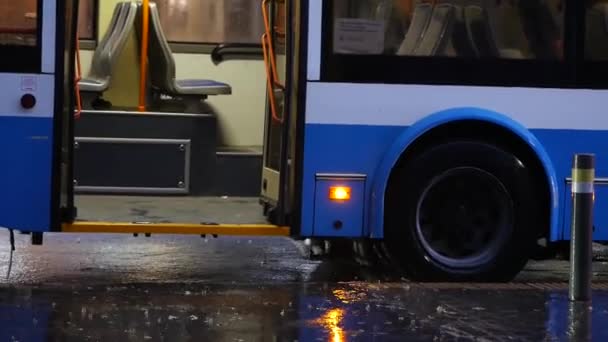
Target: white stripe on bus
[
  {"x": 315, "y": 15},
  {"x": 49, "y": 13},
  {"x": 403, "y": 105}
]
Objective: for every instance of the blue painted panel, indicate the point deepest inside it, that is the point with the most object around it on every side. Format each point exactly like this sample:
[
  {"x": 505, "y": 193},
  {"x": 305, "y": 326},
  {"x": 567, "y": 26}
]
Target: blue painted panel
[
  {"x": 561, "y": 146},
  {"x": 25, "y": 173},
  {"x": 341, "y": 149},
  {"x": 348, "y": 213},
  {"x": 360, "y": 149}
]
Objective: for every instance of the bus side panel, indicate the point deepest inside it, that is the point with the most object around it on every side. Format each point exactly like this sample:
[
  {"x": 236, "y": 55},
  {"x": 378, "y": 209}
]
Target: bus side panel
[
  {"x": 562, "y": 145},
  {"x": 358, "y": 149},
  {"x": 341, "y": 149},
  {"x": 25, "y": 172}
]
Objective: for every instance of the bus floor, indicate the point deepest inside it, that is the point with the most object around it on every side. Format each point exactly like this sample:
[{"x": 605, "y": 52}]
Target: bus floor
[{"x": 225, "y": 210}]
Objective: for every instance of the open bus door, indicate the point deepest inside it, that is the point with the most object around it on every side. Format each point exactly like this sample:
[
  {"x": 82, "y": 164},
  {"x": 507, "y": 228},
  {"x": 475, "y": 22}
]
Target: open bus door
[
  {"x": 36, "y": 111},
  {"x": 134, "y": 224},
  {"x": 281, "y": 21},
  {"x": 38, "y": 132}
]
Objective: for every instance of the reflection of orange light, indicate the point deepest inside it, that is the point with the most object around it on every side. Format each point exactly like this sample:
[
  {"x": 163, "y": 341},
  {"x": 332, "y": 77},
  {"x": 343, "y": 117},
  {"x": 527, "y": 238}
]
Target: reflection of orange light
[
  {"x": 339, "y": 193},
  {"x": 342, "y": 296},
  {"x": 337, "y": 335},
  {"x": 349, "y": 295},
  {"x": 331, "y": 321}
]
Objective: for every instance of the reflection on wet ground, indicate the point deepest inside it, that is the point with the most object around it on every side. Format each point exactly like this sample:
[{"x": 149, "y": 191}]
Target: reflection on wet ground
[
  {"x": 172, "y": 288},
  {"x": 302, "y": 312}
]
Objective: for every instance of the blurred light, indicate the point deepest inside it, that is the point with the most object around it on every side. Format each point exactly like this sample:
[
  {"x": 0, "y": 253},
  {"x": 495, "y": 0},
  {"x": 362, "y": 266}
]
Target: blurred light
[
  {"x": 342, "y": 295},
  {"x": 349, "y": 296},
  {"x": 331, "y": 321},
  {"x": 339, "y": 193}
]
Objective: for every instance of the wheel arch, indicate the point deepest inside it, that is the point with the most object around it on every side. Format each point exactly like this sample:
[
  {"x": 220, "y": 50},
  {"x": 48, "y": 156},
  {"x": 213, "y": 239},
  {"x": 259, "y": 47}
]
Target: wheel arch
[{"x": 465, "y": 123}]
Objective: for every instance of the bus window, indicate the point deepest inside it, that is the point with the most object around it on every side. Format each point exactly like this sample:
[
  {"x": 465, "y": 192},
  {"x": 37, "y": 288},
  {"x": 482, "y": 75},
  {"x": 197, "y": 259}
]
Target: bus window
[
  {"x": 596, "y": 40},
  {"x": 86, "y": 19},
  {"x": 514, "y": 29},
  {"x": 543, "y": 26},
  {"x": 18, "y": 22},
  {"x": 212, "y": 21}
]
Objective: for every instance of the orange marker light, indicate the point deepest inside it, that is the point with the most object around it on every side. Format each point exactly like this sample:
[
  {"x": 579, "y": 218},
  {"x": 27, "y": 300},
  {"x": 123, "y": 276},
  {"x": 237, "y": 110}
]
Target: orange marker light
[{"x": 339, "y": 193}]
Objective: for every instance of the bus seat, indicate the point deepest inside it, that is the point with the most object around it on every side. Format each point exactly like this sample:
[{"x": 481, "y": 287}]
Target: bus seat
[
  {"x": 541, "y": 27},
  {"x": 596, "y": 44},
  {"x": 108, "y": 51},
  {"x": 395, "y": 26},
  {"x": 417, "y": 28},
  {"x": 495, "y": 34},
  {"x": 438, "y": 32},
  {"x": 479, "y": 32},
  {"x": 511, "y": 54},
  {"x": 460, "y": 43},
  {"x": 163, "y": 70}
]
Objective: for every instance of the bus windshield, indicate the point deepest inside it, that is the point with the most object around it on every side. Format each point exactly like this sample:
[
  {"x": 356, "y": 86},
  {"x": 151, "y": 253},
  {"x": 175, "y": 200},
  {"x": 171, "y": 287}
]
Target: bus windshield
[
  {"x": 513, "y": 29},
  {"x": 19, "y": 22}
]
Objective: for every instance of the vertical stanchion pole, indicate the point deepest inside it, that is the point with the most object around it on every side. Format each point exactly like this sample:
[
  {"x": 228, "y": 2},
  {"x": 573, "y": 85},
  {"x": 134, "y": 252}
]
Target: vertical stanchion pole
[
  {"x": 583, "y": 176},
  {"x": 145, "y": 23}
]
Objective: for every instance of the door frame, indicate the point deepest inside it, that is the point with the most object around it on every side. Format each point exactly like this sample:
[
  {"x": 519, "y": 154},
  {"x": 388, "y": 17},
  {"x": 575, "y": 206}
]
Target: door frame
[
  {"x": 273, "y": 181},
  {"x": 65, "y": 36}
]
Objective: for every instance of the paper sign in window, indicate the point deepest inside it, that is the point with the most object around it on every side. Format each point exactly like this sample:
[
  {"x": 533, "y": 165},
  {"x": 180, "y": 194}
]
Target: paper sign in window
[{"x": 358, "y": 36}]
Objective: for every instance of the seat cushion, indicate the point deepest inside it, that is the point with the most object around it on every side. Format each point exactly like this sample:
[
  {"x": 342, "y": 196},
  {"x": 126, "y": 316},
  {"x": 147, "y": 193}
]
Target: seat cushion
[
  {"x": 201, "y": 87},
  {"x": 93, "y": 85}
]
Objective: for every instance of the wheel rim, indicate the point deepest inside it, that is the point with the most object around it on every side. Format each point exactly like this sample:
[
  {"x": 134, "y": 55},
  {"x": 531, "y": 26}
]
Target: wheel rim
[{"x": 463, "y": 218}]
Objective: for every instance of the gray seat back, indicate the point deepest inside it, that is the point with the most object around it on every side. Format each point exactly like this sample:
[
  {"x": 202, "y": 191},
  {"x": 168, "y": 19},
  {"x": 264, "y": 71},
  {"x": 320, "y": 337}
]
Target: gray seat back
[
  {"x": 100, "y": 60},
  {"x": 460, "y": 44},
  {"x": 596, "y": 40},
  {"x": 384, "y": 10},
  {"x": 438, "y": 33},
  {"x": 541, "y": 27},
  {"x": 162, "y": 75},
  {"x": 418, "y": 26},
  {"x": 113, "y": 41},
  {"x": 479, "y": 32},
  {"x": 395, "y": 26}
]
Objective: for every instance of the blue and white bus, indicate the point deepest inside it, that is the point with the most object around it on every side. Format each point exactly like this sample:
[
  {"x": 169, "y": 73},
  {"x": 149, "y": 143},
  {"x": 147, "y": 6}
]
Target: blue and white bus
[{"x": 436, "y": 134}]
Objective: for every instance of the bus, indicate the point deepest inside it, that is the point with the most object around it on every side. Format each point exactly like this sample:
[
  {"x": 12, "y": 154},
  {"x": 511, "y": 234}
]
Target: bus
[{"x": 436, "y": 136}]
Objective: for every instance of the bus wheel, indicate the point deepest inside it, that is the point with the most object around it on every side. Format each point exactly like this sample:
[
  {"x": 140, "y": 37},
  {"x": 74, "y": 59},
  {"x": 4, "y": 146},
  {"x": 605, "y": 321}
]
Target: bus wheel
[{"x": 461, "y": 211}]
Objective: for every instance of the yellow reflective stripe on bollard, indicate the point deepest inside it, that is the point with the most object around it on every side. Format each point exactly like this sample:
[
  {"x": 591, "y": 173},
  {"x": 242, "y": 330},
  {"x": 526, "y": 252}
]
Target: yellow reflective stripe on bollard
[{"x": 582, "y": 181}]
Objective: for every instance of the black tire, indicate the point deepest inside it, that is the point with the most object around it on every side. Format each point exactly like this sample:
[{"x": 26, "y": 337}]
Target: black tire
[{"x": 440, "y": 227}]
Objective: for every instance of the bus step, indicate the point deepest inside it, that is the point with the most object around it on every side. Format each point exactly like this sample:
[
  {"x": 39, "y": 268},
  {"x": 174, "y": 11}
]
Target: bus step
[{"x": 175, "y": 228}]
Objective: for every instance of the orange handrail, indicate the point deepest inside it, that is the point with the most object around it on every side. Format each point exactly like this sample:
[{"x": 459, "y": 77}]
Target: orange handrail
[
  {"x": 269, "y": 45},
  {"x": 78, "y": 77},
  {"x": 144, "y": 55},
  {"x": 270, "y": 65},
  {"x": 271, "y": 97}
]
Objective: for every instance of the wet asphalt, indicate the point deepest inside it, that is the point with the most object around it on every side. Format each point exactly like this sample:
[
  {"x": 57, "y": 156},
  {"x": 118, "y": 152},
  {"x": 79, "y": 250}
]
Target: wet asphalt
[
  {"x": 178, "y": 288},
  {"x": 184, "y": 288}
]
